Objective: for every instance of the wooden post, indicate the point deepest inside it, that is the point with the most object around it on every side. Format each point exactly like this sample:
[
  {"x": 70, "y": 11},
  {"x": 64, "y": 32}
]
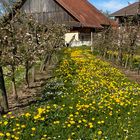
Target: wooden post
[{"x": 92, "y": 48}]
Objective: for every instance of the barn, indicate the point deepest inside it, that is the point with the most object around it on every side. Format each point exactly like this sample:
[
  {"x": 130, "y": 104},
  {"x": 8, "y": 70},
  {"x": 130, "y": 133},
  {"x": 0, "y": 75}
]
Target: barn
[{"x": 82, "y": 18}]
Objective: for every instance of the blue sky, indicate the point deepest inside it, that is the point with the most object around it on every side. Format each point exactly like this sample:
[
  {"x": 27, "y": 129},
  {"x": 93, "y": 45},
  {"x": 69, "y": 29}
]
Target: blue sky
[{"x": 111, "y": 5}]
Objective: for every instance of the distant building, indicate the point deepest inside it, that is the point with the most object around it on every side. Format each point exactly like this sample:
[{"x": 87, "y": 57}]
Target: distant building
[
  {"x": 131, "y": 11},
  {"x": 79, "y": 15}
]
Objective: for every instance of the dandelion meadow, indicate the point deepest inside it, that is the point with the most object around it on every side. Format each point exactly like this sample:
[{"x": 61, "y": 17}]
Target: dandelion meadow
[{"x": 90, "y": 100}]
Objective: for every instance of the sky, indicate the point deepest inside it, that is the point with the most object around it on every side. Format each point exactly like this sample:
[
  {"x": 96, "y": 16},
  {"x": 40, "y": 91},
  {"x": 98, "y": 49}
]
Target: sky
[{"x": 111, "y": 5}]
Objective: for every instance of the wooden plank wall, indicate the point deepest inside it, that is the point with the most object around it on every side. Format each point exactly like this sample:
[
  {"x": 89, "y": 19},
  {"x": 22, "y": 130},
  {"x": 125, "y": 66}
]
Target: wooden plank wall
[{"x": 45, "y": 10}]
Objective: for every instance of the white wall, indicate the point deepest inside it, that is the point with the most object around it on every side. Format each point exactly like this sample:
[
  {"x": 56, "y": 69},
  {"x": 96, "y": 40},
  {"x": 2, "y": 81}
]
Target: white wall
[
  {"x": 69, "y": 36},
  {"x": 74, "y": 39}
]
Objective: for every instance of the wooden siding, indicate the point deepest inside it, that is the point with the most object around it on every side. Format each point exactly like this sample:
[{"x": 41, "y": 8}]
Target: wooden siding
[{"x": 45, "y": 10}]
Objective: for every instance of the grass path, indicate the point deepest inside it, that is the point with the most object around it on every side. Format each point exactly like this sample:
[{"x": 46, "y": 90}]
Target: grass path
[{"x": 88, "y": 100}]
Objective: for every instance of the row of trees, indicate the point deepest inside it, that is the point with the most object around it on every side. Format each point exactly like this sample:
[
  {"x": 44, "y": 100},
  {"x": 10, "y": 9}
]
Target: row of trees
[
  {"x": 119, "y": 45},
  {"x": 24, "y": 42}
]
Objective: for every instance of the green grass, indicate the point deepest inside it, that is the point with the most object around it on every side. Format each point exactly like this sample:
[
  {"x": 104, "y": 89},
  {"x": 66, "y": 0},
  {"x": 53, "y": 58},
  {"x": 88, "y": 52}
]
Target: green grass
[{"x": 87, "y": 100}]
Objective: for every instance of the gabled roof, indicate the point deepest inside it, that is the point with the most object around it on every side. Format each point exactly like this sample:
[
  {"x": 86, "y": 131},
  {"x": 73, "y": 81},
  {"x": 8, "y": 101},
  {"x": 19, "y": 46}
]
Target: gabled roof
[
  {"x": 85, "y": 13},
  {"x": 130, "y": 10}
]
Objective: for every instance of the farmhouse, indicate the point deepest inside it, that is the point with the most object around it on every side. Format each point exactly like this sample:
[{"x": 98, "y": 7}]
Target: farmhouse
[{"x": 131, "y": 11}]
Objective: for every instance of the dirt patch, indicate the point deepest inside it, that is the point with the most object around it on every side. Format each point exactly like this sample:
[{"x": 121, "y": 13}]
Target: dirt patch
[
  {"x": 29, "y": 96},
  {"x": 132, "y": 75}
]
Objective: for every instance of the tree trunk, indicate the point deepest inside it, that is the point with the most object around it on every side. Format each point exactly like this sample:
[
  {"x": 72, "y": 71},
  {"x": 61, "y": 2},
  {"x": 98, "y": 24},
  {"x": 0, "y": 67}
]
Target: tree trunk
[
  {"x": 14, "y": 84},
  {"x": 126, "y": 62},
  {"x": 138, "y": 69},
  {"x": 33, "y": 74},
  {"x": 49, "y": 60},
  {"x": 105, "y": 54},
  {"x": 92, "y": 49},
  {"x": 14, "y": 89},
  {"x": 46, "y": 61},
  {"x": 3, "y": 91},
  {"x": 120, "y": 57},
  {"x": 112, "y": 57},
  {"x": 55, "y": 59},
  {"x": 131, "y": 60},
  {"x": 109, "y": 56},
  {"x": 27, "y": 74},
  {"x": 43, "y": 64}
]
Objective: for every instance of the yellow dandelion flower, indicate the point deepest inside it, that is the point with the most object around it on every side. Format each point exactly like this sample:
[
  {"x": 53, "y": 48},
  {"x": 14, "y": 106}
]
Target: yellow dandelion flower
[
  {"x": 8, "y": 134},
  {"x": 71, "y": 115},
  {"x": 79, "y": 121},
  {"x": 56, "y": 122},
  {"x": 90, "y": 125},
  {"x": 17, "y": 124},
  {"x": 33, "y": 129},
  {"x": 32, "y": 135},
  {"x": 77, "y": 113},
  {"x": 45, "y": 135},
  {"x": 118, "y": 100},
  {"x": 4, "y": 116},
  {"x": 42, "y": 119},
  {"x": 5, "y": 123},
  {"x": 102, "y": 122},
  {"x": 93, "y": 119},
  {"x": 14, "y": 129},
  {"x": 84, "y": 120},
  {"x": 16, "y": 138},
  {"x": 78, "y": 126},
  {"x": 27, "y": 115},
  {"x": 12, "y": 117},
  {"x": 72, "y": 133},
  {"x": 41, "y": 110},
  {"x": 100, "y": 132},
  {"x": 69, "y": 125},
  {"x": 9, "y": 113},
  {"x": 1, "y": 134},
  {"x": 18, "y": 132},
  {"x": 36, "y": 117},
  {"x": 23, "y": 126},
  {"x": 13, "y": 136}
]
